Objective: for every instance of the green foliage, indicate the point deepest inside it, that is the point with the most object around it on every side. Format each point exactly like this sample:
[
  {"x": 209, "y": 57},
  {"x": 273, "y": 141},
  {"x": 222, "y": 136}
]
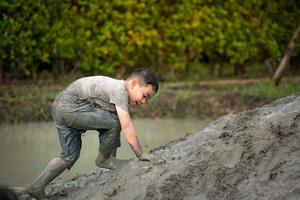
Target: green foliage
[{"x": 116, "y": 36}]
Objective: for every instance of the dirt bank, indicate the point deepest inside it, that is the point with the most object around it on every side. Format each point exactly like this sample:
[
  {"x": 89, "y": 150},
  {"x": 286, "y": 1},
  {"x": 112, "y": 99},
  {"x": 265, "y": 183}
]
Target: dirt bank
[{"x": 249, "y": 155}]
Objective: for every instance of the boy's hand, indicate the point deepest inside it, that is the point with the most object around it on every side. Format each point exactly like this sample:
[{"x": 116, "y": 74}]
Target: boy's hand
[{"x": 147, "y": 157}]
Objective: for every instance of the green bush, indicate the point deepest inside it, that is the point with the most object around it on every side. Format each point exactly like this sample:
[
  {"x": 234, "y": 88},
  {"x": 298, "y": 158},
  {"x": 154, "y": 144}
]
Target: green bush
[{"x": 114, "y": 37}]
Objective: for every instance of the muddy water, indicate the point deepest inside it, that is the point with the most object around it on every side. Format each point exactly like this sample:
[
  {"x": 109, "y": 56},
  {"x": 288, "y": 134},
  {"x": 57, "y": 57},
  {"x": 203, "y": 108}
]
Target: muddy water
[{"x": 26, "y": 148}]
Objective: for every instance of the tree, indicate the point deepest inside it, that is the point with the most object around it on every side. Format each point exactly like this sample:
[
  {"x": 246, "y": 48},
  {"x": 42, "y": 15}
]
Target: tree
[
  {"x": 114, "y": 37},
  {"x": 287, "y": 56}
]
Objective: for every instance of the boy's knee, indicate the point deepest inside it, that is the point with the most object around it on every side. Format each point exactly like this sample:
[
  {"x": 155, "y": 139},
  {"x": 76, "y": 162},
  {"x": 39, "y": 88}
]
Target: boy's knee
[
  {"x": 117, "y": 125},
  {"x": 118, "y": 129},
  {"x": 71, "y": 160},
  {"x": 115, "y": 129}
]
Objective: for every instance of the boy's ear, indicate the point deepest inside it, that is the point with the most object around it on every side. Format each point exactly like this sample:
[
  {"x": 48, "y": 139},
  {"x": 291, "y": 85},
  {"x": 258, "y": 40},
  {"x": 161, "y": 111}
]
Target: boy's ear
[{"x": 134, "y": 82}]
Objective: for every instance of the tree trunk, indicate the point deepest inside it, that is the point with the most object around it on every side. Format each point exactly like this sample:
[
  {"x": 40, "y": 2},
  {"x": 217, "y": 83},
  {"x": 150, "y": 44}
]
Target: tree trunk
[
  {"x": 94, "y": 70},
  {"x": 217, "y": 69},
  {"x": 211, "y": 67},
  {"x": 268, "y": 64},
  {"x": 33, "y": 75},
  {"x": 121, "y": 71},
  {"x": 1, "y": 73},
  {"x": 286, "y": 58},
  {"x": 62, "y": 68},
  {"x": 158, "y": 67},
  {"x": 33, "y": 72},
  {"x": 239, "y": 70}
]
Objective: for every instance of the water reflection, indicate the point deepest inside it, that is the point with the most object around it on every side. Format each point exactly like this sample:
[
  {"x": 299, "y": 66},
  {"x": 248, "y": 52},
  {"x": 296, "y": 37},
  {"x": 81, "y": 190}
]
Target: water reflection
[{"x": 26, "y": 148}]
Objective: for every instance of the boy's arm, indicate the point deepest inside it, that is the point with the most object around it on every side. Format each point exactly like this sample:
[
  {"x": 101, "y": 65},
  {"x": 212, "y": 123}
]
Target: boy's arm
[{"x": 129, "y": 132}]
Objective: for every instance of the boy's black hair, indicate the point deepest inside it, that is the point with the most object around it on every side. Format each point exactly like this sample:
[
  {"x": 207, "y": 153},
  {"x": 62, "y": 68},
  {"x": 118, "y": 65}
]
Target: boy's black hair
[{"x": 147, "y": 76}]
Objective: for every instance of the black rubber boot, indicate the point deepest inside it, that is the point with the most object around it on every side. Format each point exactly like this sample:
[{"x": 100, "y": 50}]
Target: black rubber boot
[{"x": 54, "y": 168}]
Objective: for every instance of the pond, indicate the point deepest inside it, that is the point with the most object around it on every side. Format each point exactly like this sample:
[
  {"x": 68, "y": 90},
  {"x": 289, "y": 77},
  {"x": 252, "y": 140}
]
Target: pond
[{"x": 26, "y": 148}]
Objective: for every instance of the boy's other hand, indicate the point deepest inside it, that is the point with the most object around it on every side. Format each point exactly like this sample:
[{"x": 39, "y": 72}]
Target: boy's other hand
[{"x": 147, "y": 157}]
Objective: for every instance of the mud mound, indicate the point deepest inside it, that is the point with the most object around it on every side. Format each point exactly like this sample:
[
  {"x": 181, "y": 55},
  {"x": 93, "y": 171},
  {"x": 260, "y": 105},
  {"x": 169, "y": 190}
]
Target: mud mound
[{"x": 249, "y": 155}]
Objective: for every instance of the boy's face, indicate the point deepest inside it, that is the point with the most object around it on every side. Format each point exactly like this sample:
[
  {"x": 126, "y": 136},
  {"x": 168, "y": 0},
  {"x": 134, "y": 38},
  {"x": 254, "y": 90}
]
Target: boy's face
[{"x": 138, "y": 93}]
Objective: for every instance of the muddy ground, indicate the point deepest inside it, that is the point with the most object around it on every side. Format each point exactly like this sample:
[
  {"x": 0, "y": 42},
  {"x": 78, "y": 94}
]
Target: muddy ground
[{"x": 248, "y": 155}]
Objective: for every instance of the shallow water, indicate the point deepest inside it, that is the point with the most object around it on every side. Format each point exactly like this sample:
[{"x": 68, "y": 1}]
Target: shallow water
[{"x": 26, "y": 148}]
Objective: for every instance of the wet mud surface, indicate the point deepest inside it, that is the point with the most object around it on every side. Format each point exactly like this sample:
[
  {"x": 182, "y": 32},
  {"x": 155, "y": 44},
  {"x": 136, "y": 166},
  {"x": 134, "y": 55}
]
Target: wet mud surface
[{"x": 248, "y": 155}]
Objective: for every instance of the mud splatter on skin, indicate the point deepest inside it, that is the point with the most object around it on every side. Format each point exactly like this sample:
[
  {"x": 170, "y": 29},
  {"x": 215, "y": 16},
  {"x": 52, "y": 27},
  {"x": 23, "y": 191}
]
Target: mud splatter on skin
[{"x": 249, "y": 155}]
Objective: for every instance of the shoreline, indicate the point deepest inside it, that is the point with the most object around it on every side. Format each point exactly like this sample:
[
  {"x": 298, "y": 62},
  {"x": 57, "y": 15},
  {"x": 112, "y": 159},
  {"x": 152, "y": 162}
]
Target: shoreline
[{"x": 206, "y": 99}]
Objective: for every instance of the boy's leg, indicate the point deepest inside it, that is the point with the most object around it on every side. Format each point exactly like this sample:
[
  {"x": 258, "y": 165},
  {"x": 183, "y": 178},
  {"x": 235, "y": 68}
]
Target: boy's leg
[
  {"x": 54, "y": 168},
  {"x": 109, "y": 142},
  {"x": 103, "y": 156},
  {"x": 108, "y": 163},
  {"x": 108, "y": 124},
  {"x": 70, "y": 140}
]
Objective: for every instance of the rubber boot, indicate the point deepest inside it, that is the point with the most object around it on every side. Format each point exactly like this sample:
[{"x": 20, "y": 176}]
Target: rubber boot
[
  {"x": 108, "y": 160},
  {"x": 54, "y": 168}
]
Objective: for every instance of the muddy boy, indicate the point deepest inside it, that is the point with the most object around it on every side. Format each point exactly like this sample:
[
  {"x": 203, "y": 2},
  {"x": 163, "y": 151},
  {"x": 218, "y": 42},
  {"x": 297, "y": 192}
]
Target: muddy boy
[{"x": 96, "y": 103}]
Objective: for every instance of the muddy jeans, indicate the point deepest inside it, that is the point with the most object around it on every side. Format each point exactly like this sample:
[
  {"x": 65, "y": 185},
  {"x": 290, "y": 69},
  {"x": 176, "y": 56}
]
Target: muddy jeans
[{"x": 71, "y": 125}]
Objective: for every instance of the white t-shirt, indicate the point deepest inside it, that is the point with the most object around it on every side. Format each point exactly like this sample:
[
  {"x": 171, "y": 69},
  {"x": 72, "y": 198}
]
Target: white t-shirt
[{"x": 86, "y": 93}]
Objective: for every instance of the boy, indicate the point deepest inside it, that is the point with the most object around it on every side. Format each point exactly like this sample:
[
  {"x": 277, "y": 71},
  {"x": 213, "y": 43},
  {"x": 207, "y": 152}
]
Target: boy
[{"x": 96, "y": 103}]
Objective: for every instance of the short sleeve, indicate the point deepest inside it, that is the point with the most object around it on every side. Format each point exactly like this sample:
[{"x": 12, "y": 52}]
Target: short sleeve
[{"x": 119, "y": 97}]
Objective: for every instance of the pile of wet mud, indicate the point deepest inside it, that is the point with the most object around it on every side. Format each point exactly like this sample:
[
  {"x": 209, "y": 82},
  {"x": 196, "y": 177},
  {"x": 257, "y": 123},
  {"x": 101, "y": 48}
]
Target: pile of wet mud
[{"x": 248, "y": 155}]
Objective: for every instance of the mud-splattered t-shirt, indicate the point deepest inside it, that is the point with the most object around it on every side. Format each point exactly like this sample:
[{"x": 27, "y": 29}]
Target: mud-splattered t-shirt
[{"x": 86, "y": 93}]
